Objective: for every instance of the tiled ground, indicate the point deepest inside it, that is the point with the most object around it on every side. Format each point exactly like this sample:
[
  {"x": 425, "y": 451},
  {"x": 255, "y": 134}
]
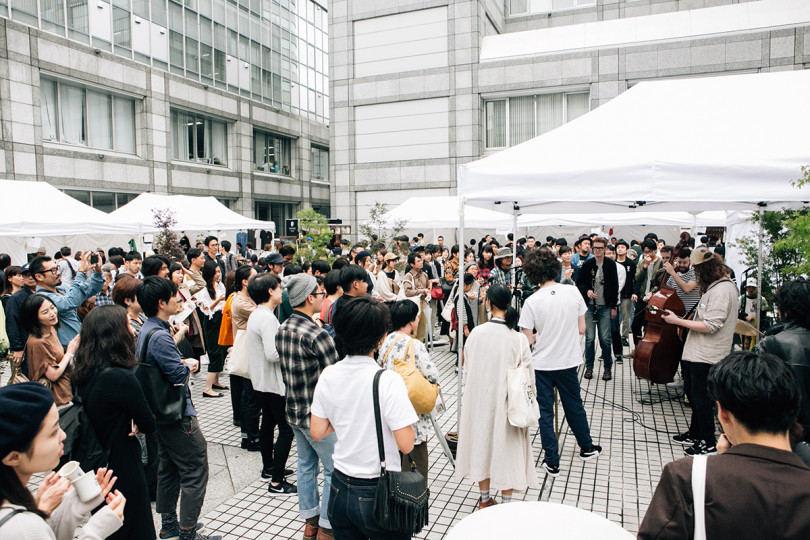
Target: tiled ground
[{"x": 631, "y": 419}]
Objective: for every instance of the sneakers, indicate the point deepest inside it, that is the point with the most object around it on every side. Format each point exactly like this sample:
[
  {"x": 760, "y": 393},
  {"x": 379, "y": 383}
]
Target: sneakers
[
  {"x": 174, "y": 533},
  {"x": 685, "y": 439},
  {"x": 284, "y": 488},
  {"x": 591, "y": 453},
  {"x": 588, "y": 373},
  {"x": 606, "y": 376},
  {"x": 619, "y": 359},
  {"x": 551, "y": 470},
  {"x": 701, "y": 449},
  {"x": 489, "y": 502},
  {"x": 267, "y": 473}
]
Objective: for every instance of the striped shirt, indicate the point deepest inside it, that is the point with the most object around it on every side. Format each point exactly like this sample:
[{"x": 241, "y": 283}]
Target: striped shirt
[
  {"x": 304, "y": 350},
  {"x": 691, "y": 298}
]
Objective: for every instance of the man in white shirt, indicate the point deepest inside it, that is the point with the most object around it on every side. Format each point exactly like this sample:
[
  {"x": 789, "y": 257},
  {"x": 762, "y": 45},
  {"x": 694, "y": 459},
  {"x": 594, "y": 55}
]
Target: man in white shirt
[{"x": 553, "y": 318}]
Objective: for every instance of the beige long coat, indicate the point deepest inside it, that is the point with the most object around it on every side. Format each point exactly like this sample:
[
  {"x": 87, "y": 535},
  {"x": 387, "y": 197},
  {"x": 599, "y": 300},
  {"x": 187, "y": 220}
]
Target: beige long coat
[{"x": 489, "y": 446}]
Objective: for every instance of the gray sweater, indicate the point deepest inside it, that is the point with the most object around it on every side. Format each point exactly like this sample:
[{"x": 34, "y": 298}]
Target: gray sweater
[{"x": 717, "y": 309}]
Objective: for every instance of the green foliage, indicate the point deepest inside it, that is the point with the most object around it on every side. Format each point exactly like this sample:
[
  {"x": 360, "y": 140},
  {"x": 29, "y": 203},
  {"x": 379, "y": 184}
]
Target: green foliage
[
  {"x": 379, "y": 229},
  {"x": 312, "y": 225},
  {"x": 166, "y": 241},
  {"x": 797, "y": 238}
]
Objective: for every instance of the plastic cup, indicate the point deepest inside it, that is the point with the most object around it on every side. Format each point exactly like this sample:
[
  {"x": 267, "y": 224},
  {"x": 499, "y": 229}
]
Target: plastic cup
[
  {"x": 71, "y": 470},
  {"x": 87, "y": 487}
]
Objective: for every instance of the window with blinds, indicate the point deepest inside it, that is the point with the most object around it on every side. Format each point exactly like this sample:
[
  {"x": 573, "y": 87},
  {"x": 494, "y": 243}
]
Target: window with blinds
[{"x": 511, "y": 121}]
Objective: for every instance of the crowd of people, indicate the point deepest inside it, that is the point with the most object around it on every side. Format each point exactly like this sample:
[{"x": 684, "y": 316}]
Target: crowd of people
[{"x": 302, "y": 341}]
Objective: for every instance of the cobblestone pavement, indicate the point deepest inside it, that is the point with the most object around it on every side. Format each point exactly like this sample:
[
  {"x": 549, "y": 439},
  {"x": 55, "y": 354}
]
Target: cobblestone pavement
[{"x": 629, "y": 418}]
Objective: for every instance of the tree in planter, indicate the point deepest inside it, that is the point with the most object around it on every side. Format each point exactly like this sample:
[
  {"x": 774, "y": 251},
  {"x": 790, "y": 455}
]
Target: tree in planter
[
  {"x": 379, "y": 228},
  {"x": 315, "y": 226},
  {"x": 166, "y": 241}
]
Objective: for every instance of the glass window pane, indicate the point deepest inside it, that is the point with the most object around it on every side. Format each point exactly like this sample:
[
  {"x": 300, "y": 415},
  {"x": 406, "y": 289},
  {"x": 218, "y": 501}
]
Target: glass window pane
[
  {"x": 159, "y": 12},
  {"x": 496, "y": 124},
  {"x": 124, "y": 129},
  {"x": 577, "y": 105},
  {"x": 122, "y": 30},
  {"x": 521, "y": 119},
  {"x": 549, "y": 112},
  {"x": 206, "y": 61},
  {"x": 176, "y": 49},
  {"x": 71, "y": 114},
  {"x": 77, "y": 17},
  {"x": 47, "y": 91},
  {"x": 104, "y": 201},
  {"x": 81, "y": 196},
  {"x": 53, "y": 12},
  {"x": 99, "y": 120},
  {"x": 191, "y": 55},
  {"x": 219, "y": 143}
]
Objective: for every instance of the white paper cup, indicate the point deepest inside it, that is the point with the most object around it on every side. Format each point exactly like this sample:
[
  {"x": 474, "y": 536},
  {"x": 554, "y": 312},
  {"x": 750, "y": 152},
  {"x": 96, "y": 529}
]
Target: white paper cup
[
  {"x": 87, "y": 487},
  {"x": 71, "y": 470}
]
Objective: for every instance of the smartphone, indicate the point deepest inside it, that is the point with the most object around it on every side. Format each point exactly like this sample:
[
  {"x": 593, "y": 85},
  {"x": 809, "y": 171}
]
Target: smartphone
[{"x": 94, "y": 258}]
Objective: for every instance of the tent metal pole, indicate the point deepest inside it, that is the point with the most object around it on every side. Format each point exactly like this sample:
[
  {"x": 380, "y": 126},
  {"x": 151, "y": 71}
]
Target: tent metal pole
[
  {"x": 514, "y": 243},
  {"x": 460, "y": 311},
  {"x": 759, "y": 270}
]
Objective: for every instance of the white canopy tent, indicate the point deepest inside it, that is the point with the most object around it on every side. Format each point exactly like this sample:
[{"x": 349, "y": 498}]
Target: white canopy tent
[
  {"x": 192, "y": 214},
  {"x": 714, "y": 143},
  {"x": 37, "y": 214}
]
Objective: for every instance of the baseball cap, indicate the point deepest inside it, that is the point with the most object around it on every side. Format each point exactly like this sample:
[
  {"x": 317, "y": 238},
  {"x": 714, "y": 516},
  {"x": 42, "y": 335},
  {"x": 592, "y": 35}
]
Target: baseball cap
[
  {"x": 700, "y": 255},
  {"x": 751, "y": 282}
]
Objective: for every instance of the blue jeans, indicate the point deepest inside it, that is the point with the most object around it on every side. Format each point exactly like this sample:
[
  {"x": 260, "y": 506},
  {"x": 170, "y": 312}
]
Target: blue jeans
[
  {"x": 351, "y": 510},
  {"x": 310, "y": 451},
  {"x": 567, "y": 384},
  {"x": 602, "y": 320}
]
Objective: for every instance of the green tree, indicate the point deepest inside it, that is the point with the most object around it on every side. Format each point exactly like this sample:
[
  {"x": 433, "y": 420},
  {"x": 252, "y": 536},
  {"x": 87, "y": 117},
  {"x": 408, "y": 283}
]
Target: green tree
[
  {"x": 313, "y": 237},
  {"x": 379, "y": 229},
  {"x": 797, "y": 236}
]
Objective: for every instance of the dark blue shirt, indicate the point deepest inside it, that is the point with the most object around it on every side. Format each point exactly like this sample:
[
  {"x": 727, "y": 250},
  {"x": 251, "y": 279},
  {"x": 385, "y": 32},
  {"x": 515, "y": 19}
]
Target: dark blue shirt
[{"x": 163, "y": 352}]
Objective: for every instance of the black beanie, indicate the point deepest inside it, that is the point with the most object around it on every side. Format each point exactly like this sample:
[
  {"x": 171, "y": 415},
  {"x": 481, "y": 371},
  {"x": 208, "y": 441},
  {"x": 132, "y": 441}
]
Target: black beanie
[{"x": 24, "y": 406}]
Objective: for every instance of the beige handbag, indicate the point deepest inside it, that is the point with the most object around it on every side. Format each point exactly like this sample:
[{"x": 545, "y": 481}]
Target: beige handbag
[{"x": 421, "y": 391}]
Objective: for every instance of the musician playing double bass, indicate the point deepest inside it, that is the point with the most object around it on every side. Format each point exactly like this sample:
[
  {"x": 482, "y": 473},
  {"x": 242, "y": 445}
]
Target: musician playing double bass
[
  {"x": 711, "y": 334},
  {"x": 646, "y": 268}
]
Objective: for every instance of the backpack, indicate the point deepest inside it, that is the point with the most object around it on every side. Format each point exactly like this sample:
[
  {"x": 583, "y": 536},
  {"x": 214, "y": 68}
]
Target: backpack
[{"x": 81, "y": 441}]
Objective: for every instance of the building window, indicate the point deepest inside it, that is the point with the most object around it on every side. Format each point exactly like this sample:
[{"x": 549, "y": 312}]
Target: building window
[
  {"x": 272, "y": 153},
  {"x": 530, "y": 116},
  {"x": 275, "y": 212},
  {"x": 105, "y": 201},
  {"x": 520, "y": 8},
  {"x": 198, "y": 138},
  {"x": 88, "y": 117},
  {"x": 320, "y": 163}
]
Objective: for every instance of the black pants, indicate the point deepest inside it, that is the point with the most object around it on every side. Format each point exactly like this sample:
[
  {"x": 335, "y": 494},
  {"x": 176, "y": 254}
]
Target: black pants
[
  {"x": 639, "y": 321},
  {"x": 274, "y": 455},
  {"x": 237, "y": 383},
  {"x": 249, "y": 411},
  {"x": 183, "y": 468},
  {"x": 701, "y": 425}
]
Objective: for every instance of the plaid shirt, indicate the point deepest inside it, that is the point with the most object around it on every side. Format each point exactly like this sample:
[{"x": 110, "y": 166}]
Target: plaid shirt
[
  {"x": 499, "y": 277},
  {"x": 304, "y": 349}
]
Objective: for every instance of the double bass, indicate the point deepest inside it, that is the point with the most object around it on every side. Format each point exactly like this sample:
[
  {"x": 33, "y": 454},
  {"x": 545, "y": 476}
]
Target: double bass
[{"x": 657, "y": 355}]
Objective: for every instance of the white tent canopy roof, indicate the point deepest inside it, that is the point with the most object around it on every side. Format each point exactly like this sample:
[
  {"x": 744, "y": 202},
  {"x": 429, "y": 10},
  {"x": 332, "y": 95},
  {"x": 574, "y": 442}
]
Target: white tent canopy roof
[
  {"x": 442, "y": 213},
  {"x": 192, "y": 214},
  {"x": 677, "y": 219},
  {"x": 713, "y": 143},
  {"x": 37, "y": 209}
]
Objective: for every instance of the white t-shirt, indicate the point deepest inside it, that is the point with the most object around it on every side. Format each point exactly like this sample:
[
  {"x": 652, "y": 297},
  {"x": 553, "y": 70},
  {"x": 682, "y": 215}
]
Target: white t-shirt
[
  {"x": 344, "y": 396},
  {"x": 554, "y": 311}
]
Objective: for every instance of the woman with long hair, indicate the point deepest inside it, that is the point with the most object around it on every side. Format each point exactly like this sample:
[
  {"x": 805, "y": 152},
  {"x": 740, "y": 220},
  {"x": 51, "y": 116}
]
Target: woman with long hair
[
  {"x": 241, "y": 389},
  {"x": 31, "y": 443},
  {"x": 486, "y": 262},
  {"x": 211, "y": 302},
  {"x": 12, "y": 282},
  {"x": 48, "y": 361},
  {"x": 491, "y": 451},
  {"x": 117, "y": 408}
]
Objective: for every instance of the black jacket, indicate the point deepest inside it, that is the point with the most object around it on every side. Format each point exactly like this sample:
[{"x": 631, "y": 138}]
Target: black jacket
[
  {"x": 586, "y": 277},
  {"x": 630, "y": 267},
  {"x": 791, "y": 343},
  {"x": 17, "y": 336}
]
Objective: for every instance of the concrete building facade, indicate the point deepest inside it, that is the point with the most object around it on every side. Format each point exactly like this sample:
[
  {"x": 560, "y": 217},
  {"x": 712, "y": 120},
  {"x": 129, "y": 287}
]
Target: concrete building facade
[
  {"x": 420, "y": 87},
  {"x": 205, "y": 97}
]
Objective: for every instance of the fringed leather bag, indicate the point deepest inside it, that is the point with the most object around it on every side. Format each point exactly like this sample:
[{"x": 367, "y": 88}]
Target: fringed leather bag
[{"x": 401, "y": 501}]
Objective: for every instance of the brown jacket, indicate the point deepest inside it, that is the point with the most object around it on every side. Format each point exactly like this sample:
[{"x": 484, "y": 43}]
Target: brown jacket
[{"x": 752, "y": 492}]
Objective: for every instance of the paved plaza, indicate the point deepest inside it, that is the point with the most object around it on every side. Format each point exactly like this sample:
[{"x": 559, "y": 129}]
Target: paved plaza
[{"x": 631, "y": 419}]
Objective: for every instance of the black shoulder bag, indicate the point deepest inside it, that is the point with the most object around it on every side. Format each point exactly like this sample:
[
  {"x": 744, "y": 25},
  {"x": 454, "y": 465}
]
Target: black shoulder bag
[
  {"x": 401, "y": 501},
  {"x": 167, "y": 400}
]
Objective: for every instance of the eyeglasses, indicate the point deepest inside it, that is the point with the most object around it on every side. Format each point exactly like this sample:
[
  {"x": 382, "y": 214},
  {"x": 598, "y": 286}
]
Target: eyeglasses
[
  {"x": 318, "y": 294},
  {"x": 55, "y": 271}
]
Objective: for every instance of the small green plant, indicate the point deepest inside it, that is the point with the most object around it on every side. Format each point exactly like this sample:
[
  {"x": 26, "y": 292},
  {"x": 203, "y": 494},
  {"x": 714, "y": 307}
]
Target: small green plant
[
  {"x": 313, "y": 237},
  {"x": 166, "y": 241},
  {"x": 379, "y": 229}
]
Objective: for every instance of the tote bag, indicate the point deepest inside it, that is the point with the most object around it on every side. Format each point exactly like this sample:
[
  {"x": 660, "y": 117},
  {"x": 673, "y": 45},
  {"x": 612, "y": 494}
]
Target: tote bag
[
  {"x": 401, "y": 294},
  {"x": 238, "y": 357},
  {"x": 521, "y": 396}
]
